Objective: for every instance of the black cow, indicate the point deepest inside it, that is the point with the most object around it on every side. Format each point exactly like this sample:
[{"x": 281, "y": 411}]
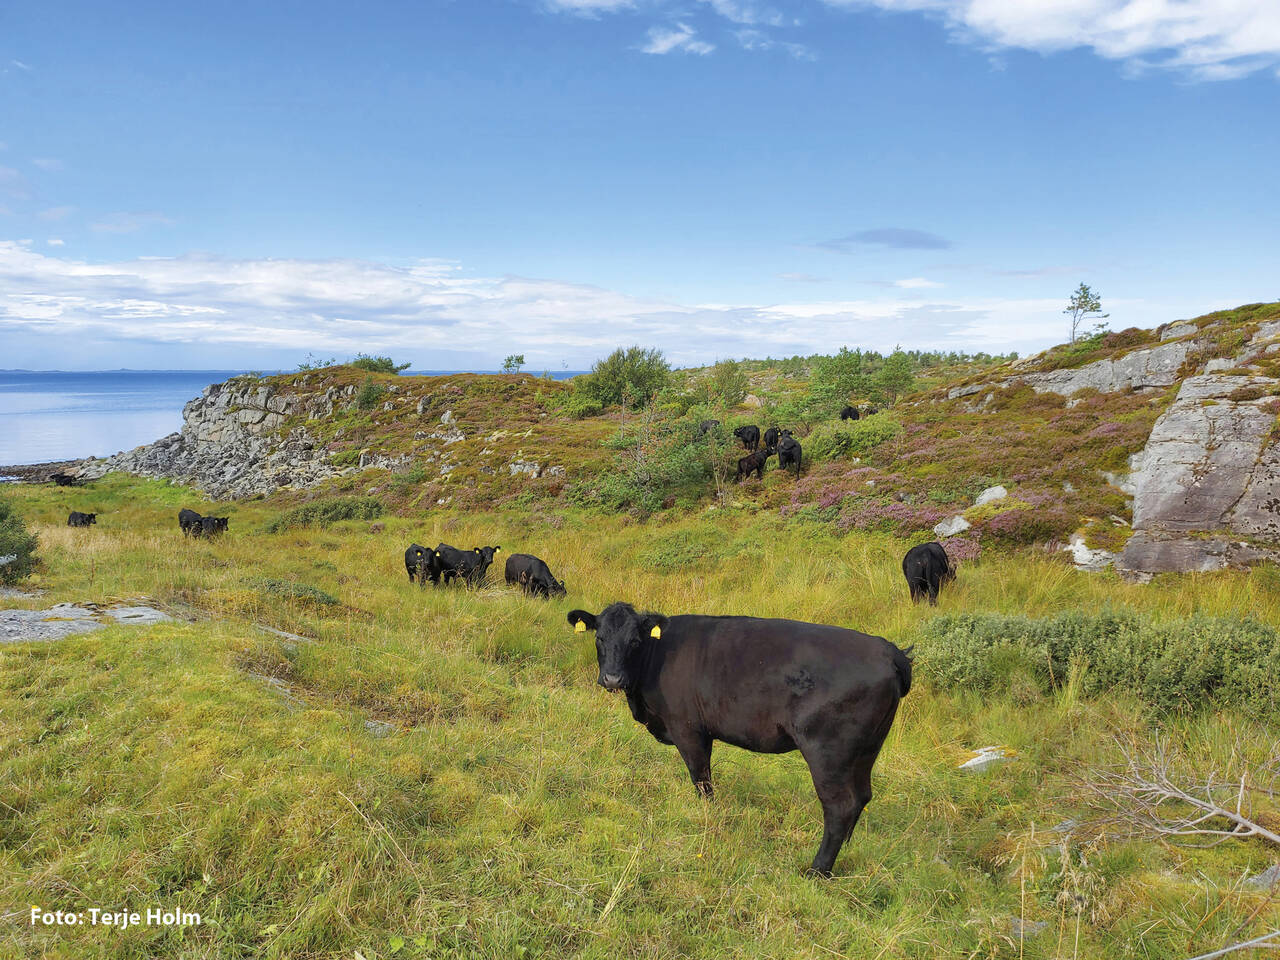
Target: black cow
[
  {"x": 849, "y": 413},
  {"x": 749, "y": 435},
  {"x": 422, "y": 563},
  {"x": 770, "y": 686},
  {"x": 771, "y": 437},
  {"x": 212, "y": 526},
  {"x": 65, "y": 480},
  {"x": 472, "y": 565},
  {"x": 789, "y": 452},
  {"x": 927, "y": 567},
  {"x": 189, "y": 521},
  {"x": 78, "y": 519},
  {"x": 705, "y": 427},
  {"x": 754, "y": 463},
  {"x": 533, "y": 576}
]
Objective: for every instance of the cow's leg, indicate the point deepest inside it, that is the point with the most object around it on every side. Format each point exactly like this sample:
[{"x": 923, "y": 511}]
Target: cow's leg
[
  {"x": 844, "y": 789},
  {"x": 695, "y": 751}
]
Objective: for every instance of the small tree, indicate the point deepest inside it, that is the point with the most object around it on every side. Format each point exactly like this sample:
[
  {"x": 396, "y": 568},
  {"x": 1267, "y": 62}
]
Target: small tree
[
  {"x": 1084, "y": 305},
  {"x": 17, "y": 546},
  {"x": 729, "y": 382},
  {"x": 896, "y": 376},
  {"x": 370, "y": 394},
  {"x": 370, "y": 364},
  {"x": 631, "y": 376},
  {"x": 513, "y": 363}
]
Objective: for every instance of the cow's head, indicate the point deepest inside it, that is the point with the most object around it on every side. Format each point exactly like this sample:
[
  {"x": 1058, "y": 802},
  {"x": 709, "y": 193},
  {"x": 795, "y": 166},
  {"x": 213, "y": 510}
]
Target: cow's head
[
  {"x": 90, "y": 518},
  {"x": 558, "y": 588},
  {"x": 738, "y": 432},
  {"x": 486, "y": 554},
  {"x": 621, "y": 634}
]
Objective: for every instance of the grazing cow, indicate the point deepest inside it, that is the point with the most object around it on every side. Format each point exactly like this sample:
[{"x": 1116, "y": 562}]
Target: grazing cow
[
  {"x": 749, "y": 435},
  {"x": 423, "y": 563},
  {"x": 472, "y": 565},
  {"x": 771, "y": 437},
  {"x": 212, "y": 526},
  {"x": 189, "y": 521},
  {"x": 705, "y": 427},
  {"x": 770, "y": 686},
  {"x": 78, "y": 519},
  {"x": 533, "y": 576},
  {"x": 849, "y": 413},
  {"x": 789, "y": 452},
  {"x": 754, "y": 463},
  {"x": 65, "y": 480},
  {"x": 927, "y": 567}
]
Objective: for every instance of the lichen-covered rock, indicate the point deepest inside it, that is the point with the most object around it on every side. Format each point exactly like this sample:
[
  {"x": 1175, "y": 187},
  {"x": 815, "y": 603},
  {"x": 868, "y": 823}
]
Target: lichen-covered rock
[
  {"x": 1139, "y": 370},
  {"x": 1207, "y": 495}
]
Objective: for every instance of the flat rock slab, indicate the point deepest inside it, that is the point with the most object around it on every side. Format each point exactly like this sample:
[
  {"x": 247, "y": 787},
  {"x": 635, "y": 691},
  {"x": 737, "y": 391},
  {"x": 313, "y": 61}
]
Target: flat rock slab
[{"x": 68, "y": 619}]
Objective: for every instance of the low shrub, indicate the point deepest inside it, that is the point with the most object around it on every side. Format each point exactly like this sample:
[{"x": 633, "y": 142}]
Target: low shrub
[
  {"x": 17, "y": 545},
  {"x": 370, "y": 394},
  {"x": 1021, "y": 527},
  {"x": 327, "y": 510},
  {"x": 1175, "y": 666},
  {"x": 378, "y": 364},
  {"x": 840, "y": 439},
  {"x": 301, "y": 592},
  {"x": 580, "y": 405}
]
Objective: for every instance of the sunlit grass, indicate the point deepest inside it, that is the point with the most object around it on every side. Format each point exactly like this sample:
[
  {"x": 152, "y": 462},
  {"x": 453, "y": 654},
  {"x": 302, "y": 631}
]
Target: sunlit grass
[{"x": 515, "y": 809}]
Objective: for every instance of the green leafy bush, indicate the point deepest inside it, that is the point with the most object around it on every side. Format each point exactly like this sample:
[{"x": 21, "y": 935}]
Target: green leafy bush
[
  {"x": 327, "y": 510},
  {"x": 370, "y": 394},
  {"x": 1177, "y": 666},
  {"x": 657, "y": 459},
  {"x": 631, "y": 376},
  {"x": 729, "y": 382},
  {"x": 839, "y": 439},
  {"x": 580, "y": 405},
  {"x": 15, "y": 542},
  {"x": 378, "y": 364}
]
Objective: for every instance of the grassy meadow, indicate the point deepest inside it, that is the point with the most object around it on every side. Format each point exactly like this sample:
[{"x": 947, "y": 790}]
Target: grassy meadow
[{"x": 434, "y": 773}]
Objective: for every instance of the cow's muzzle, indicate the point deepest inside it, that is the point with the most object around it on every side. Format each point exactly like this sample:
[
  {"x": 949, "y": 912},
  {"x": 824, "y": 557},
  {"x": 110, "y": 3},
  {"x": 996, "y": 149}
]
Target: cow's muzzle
[{"x": 610, "y": 681}]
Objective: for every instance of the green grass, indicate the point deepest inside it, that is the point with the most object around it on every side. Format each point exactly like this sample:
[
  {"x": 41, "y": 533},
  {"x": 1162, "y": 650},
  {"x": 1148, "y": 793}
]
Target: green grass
[{"x": 516, "y": 809}]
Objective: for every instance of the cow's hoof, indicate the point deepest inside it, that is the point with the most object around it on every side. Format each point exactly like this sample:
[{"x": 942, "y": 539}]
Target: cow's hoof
[{"x": 813, "y": 873}]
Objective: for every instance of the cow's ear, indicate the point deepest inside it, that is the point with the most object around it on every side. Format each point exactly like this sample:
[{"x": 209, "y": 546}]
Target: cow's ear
[
  {"x": 654, "y": 624},
  {"x": 497, "y": 549},
  {"x": 582, "y": 621}
]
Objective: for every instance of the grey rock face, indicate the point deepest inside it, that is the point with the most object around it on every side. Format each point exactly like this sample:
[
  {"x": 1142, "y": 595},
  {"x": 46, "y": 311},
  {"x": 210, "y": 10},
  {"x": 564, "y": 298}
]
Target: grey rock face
[
  {"x": 1140, "y": 370},
  {"x": 230, "y": 445},
  {"x": 1209, "y": 478}
]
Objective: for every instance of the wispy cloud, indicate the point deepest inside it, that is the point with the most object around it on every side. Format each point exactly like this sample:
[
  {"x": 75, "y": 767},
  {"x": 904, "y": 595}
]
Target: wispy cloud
[
  {"x": 897, "y": 238},
  {"x": 916, "y": 283},
  {"x": 56, "y": 213},
  {"x": 130, "y": 222},
  {"x": 678, "y": 39},
  {"x": 1210, "y": 39},
  {"x": 802, "y": 278},
  {"x": 56, "y": 242},
  {"x": 51, "y": 164},
  {"x": 590, "y": 8},
  {"x": 257, "y": 308},
  {"x": 742, "y": 11},
  {"x": 750, "y": 38},
  {"x": 19, "y": 65}
]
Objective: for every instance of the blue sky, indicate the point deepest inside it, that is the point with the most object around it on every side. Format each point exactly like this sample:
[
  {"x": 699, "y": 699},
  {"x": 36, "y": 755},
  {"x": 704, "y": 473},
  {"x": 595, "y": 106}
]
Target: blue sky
[{"x": 238, "y": 185}]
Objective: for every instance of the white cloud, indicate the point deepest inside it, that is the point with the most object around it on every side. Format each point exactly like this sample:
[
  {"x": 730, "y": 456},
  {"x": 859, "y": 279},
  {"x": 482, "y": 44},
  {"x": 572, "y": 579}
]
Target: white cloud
[
  {"x": 26, "y": 68},
  {"x": 745, "y": 12},
  {"x": 589, "y": 7},
  {"x": 1212, "y": 39},
  {"x": 56, "y": 242},
  {"x": 680, "y": 39},
  {"x": 51, "y": 164},
  {"x": 750, "y": 38},
  {"x": 130, "y": 222},
  {"x": 916, "y": 283},
  {"x": 56, "y": 213},
  {"x": 254, "y": 307}
]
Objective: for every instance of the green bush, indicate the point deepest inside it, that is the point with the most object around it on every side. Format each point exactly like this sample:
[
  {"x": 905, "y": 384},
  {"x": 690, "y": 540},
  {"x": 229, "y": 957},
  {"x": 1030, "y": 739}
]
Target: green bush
[
  {"x": 631, "y": 376},
  {"x": 1177, "y": 666},
  {"x": 294, "y": 591},
  {"x": 17, "y": 543},
  {"x": 657, "y": 459},
  {"x": 378, "y": 364},
  {"x": 729, "y": 382},
  {"x": 346, "y": 458},
  {"x": 580, "y": 405},
  {"x": 840, "y": 439},
  {"x": 370, "y": 394},
  {"x": 327, "y": 510}
]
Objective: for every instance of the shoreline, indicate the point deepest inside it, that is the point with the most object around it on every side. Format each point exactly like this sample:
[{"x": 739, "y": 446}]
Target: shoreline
[{"x": 37, "y": 472}]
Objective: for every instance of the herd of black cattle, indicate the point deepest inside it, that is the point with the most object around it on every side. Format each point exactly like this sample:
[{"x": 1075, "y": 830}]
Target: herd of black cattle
[
  {"x": 765, "y": 685},
  {"x": 779, "y": 442}
]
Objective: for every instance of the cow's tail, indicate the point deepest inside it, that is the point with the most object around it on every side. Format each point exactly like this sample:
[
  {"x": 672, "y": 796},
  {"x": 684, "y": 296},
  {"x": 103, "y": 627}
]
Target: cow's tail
[{"x": 902, "y": 666}]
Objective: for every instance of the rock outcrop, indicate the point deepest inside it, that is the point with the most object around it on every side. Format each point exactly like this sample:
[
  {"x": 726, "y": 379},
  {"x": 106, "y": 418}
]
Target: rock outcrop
[
  {"x": 1153, "y": 368},
  {"x": 1207, "y": 494},
  {"x": 231, "y": 445}
]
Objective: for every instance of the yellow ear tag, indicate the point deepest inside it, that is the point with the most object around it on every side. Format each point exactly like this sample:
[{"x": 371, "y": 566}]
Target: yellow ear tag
[
  {"x": 580, "y": 627},
  {"x": 656, "y": 632}
]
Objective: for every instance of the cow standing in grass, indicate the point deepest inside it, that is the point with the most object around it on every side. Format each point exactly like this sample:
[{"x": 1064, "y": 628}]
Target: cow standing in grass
[
  {"x": 749, "y": 435},
  {"x": 754, "y": 463},
  {"x": 533, "y": 576},
  {"x": 789, "y": 452},
  {"x": 770, "y": 686},
  {"x": 927, "y": 567},
  {"x": 471, "y": 565},
  {"x": 422, "y": 563},
  {"x": 849, "y": 413},
  {"x": 189, "y": 521},
  {"x": 78, "y": 519}
]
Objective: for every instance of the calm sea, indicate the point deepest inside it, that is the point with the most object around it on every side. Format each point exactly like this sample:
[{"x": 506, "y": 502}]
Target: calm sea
[{"x": 54, "y": 415}]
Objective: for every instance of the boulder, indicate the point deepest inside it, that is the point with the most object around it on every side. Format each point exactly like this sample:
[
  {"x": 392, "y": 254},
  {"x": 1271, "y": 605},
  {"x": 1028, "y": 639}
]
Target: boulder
[
  {"x": 952, "y": 526},
  {"x": 990, "y": 495}
]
